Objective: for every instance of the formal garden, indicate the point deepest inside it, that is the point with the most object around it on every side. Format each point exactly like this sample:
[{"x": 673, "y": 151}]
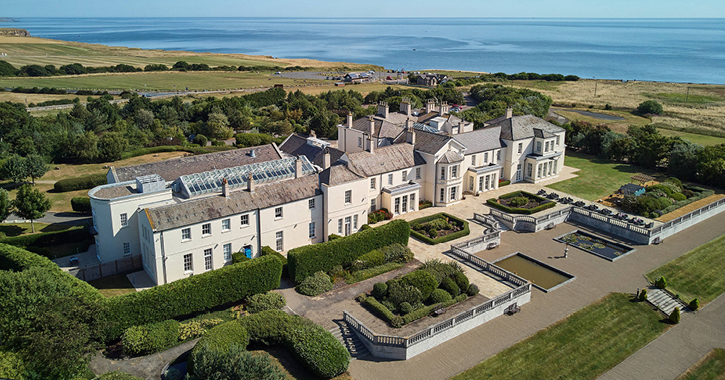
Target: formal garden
[
  {"x": 520, "y": 202},
  {"x": 319, "y": 268},
  {"x": 427, "y": 291},
  {"x": 663, "y": 198},
  {"x": 438, "y": 228}
]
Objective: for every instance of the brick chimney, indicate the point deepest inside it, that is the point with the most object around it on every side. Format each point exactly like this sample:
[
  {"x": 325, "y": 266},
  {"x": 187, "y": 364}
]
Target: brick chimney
[
  {"x": 383, "y": 109},
  {"x": 405, "y": 107},
  {"x": 410, "y": 134},
  {"x": 225, "y": 188},
  {"x": 430, "y": 106},
  {"x": 509, "y": 112},
  {"x": 349, "y": 120},
  {"x": 443, "y": 108},
  {"x": 298, "y": 167},
  {"x": 326, "y": 160},
  {"x": 250, "y": 183}
]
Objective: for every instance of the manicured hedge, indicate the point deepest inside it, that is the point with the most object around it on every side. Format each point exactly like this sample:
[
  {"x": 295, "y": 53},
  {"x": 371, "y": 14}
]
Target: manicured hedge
[
  {"x": 314, "y": 346},
  {"x": 80, "y": 183},
  {"x": 504, "y": 183},
  {"x": 265, "y": 301},
  {"x": 267, "y": 251},
  {"x": 81, "y": 204},
  {"x": 364, "y": 274},
  {"x": 49, "y": 239},
  {"x": 306, "y": 260},
  {"x": 221, "y": 338},
  {"x": 517, "y": 210},
  {"x": 382, "y": 312},
  {"x": 147, "y": 339},
  {"x": 427, "y": 310},
  {"x": 193, "y": 294},
  {"x": 426, "y": 239}
]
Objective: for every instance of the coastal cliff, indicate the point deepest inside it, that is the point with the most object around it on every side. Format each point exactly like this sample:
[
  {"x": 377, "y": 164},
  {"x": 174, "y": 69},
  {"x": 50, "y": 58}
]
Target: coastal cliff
[{"x": 14, "y": 32}]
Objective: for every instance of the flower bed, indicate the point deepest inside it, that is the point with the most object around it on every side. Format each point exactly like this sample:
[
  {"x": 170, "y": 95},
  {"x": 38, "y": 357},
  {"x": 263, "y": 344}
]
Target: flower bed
[
  {"x": 402, "y": 300},
  {"x": 520, "y": 202},
  {"x": 379, "y": 216},
  {"x": 423, "y": 204},
  {"x": 438, "y": 228}
]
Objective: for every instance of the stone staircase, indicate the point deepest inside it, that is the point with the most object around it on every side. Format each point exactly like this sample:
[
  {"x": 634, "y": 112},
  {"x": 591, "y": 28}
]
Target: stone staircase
[
  {"x": 350, "y": 340},
  {"x": 663, "y": 301}
]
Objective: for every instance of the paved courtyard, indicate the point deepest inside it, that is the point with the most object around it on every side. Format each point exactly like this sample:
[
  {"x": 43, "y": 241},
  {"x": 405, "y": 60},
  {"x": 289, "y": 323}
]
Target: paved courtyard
[{"x": 596, "y": 278}]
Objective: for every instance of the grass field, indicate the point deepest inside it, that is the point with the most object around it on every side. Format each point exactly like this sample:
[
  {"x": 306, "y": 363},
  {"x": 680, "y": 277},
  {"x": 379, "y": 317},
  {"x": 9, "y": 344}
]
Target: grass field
[
  {"x": 17, "y": 229},
  {"x": 112, "y": 286},
  {"x": 60, "y": 202},
  {"x": 616, "y": 125},
  {"x": 597, "y": 177},
  {"x": 582, "y": 346},
  {"x": 36, "y": 98},
  {"x": 711, "y": 367},
  {"x": 695, "y": 138},
  {"x": 696, "y": 274}
]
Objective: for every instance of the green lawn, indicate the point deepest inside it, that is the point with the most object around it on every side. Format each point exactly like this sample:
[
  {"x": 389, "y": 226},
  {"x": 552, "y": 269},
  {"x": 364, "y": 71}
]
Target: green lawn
[
  {"x": 711, "y": 368},
  {"x": 699, "y": 273},
  {"x": 112, "y": 286},
  {"x": 597, "y": 178},
  {"x": 678, "y": 98},
  {"x": 582, "y": 346},
  {"x": 703, "y": 140},
  {"x": 17, "y": 229}
]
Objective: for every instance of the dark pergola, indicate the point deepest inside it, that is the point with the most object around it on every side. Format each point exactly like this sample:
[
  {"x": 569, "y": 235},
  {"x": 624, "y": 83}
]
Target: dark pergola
[{"x": 643, "y": 179}]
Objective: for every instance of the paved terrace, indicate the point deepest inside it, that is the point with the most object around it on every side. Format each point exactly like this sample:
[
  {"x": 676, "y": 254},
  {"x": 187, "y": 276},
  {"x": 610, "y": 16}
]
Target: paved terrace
[{"x": 596, "y": 278}]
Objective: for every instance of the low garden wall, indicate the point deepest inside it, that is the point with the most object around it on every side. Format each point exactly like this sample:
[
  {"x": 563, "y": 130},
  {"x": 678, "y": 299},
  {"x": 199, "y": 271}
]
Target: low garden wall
[{"x": 531, "y": 223}]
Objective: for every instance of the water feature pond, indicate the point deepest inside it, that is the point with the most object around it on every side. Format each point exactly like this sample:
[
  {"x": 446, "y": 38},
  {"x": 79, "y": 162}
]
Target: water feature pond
[
  {"x": 541, "y": 275},
  {"x": 596, "y": 245}
]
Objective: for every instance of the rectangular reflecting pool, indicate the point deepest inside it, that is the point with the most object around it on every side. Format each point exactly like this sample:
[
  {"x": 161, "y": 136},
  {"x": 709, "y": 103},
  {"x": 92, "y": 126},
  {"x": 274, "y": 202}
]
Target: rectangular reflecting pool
[
  {"x": 596, "y": 245},
  {"x": 541, "y": 275}
]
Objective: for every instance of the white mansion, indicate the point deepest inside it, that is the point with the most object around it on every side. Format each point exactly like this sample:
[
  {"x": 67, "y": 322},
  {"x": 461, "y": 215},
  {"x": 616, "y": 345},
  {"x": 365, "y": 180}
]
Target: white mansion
[{"x": 188, "y": 215}]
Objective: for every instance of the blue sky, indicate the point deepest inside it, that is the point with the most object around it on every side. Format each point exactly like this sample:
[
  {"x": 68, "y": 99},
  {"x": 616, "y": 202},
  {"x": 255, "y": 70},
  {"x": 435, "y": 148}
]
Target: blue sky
[{"x": 366, "y": 8}]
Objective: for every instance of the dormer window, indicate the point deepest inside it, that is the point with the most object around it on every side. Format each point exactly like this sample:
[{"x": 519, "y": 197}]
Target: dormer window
[{"x": 538, "y": 147}]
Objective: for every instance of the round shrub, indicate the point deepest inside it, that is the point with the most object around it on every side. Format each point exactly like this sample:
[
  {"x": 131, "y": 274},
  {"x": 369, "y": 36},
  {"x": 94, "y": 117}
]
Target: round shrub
[
  {"x": 518, "y": 201},
  {"x": 315, "y": 285},
  {"x": 147, "y": 339},
  {"x": 440, "y": 296},
  {"x": 472, "y": 290},
  {"x": 679, "y": 197},
  {"x": 461, "y": 280},
  {"x": 421, "y": 280},
  {"x": 643, "y": 295},
  {"x": 650, "y": 107},
  {"x": 694, "y": 304},
  {"x": 661, "y": 282},
  {"x": 232, "y": 364},
  {"x": 265, "y": 301},
  {"x": 200, "y": 139},
  {"x": 406, "y": 308},
  {"x": 450, "y": 286},
  {"x": 380, "y": 290},
  {"x": 675, "y": 316},
  {"x": 399, "y": 293},
  {"x": 674, "y": 181}
]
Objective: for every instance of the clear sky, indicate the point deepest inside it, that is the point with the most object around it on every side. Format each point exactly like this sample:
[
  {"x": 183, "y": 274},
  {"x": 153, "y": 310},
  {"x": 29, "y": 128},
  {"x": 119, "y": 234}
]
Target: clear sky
[{"x": 366, "y": 8}]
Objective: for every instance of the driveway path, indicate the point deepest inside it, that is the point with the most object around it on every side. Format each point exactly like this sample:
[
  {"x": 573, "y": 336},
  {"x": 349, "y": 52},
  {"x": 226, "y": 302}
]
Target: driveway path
[
  {"x": 596, "y": 278},
  {"x": 146, "y": 367},
  {"x": 679, "y": 348}
]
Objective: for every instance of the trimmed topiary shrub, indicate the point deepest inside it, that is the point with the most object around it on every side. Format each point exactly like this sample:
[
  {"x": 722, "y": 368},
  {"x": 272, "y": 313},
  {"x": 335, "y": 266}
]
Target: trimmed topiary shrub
[
  {"x": 440, "y": 296},
  {"x": 675, "y": 316},
  {"x": 80, "y": 183},
  {"x": 239, "y": 257},
  {"x": 679, "y": 197},
  {"x": 147, "y": 339},
  {"x": 267, "y": 251},
  {"x": 380, "y": 290},
  {"x": 81, "y": 204},
  {"x": 421, "y": 280},
  {"x": 265, "y": 301},
  {"x": 661, "y": 282},
  {"x": 399, "y": 292},
  {"x": 200, "y": 140},
  {"x": 306, "y": 260},
  {"x": 643, "y": 295},
  {"x": 518, "y": 201},
  {"x": 405, "y": 308},
  {"x": 315, "y": 285},
  {"x": 461, "y": 280},
  {"x": 382, "y": 311},
  {"x": 472, "y": 290},
  {"x": 694, "y": 304},
  {"x": 450, "y": 286}
]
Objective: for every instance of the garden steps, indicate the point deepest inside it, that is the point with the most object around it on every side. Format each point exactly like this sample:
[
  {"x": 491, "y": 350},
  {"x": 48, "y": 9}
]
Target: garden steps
[
  {"x": 664, "y": 301},
  {"x": 350, "y": 340}
]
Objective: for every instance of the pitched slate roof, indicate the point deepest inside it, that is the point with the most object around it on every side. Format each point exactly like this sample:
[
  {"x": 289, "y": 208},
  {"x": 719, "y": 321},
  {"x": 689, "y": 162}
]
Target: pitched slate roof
[
  {"x": 523, "y": 127},
  {"x": 337, "y": 175},
  {"x": 198, "y": 210},
  {"x": 384, "y": 160},
  {"x": 480, "y": 140},
  {"x": 172, "y": 169},
  {"x": 297, "y": 145},
  {"x": 383, "y": 128},
  {"x": 430, "y": 142},
  {"x": 450, "y": 157}
]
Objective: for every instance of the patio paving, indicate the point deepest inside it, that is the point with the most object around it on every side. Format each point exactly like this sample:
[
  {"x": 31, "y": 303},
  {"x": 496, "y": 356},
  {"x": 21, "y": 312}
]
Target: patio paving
[{"x": 595, "y": 278}]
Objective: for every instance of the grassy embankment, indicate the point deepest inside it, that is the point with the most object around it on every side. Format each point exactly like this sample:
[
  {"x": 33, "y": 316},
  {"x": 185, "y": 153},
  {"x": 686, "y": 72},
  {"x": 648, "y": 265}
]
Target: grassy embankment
[
  {"x": 710, "y": 367},
  {"x": 583, "y": 346},
  {"x": 696, "y": 274}
]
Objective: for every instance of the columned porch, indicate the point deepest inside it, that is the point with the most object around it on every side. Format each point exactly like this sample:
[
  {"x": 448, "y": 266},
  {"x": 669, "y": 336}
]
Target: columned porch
[
  {"x": 482, "y": 178},
  {"x": 402, "y": 198}
]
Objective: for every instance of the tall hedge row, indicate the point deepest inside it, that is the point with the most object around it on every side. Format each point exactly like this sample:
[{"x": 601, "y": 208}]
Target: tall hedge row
[
  {"x": 81, "y": 204},
  {"x": 80, "y": 183},
  {"x": 307, "y": 260},
  {"x": 193, "y": 294},
  {"x": 48, "y": 239}
]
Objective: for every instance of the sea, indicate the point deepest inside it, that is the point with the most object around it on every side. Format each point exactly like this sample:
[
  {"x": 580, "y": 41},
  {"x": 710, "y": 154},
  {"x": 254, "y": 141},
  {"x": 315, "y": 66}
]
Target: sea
[{"x": 669, "y": 50}]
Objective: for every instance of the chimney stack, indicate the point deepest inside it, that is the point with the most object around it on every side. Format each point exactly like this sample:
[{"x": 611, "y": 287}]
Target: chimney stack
[
  {"x": 383, "y": 110},
  {"x": 430, "y": 106},
  {"x": 250, "y": 183},
  {"x": 298, "y": 167},
  {"x": 443, "y": 108},
  {"x": 405, "y": 107},
  {"x": 371, "y": 126},
  {"x": 225, "y": 188},
  {"x": 410, "y": 134},
  {"x": 313, "y": 134},
  {"x": 349, "y": 119},
  {"x": 326, "y": 159},
  {"x": 509, "y": 112}
]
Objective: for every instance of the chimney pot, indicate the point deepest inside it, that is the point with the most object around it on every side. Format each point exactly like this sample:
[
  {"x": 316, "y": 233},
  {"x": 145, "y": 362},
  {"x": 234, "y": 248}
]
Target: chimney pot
[
  {"x": 298, "y": 167},
  {"x": 250, "y": 183},
  {"x": 225, "y": 188},
  {"x": 326, "y": 160},
  {"x": 383, "y": 109},
  {"x": 349, "y": 120},
  {"x": 509, "y": 112}
]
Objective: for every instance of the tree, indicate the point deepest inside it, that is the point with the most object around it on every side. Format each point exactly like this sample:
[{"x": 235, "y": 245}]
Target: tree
[
  {"x": 6, "y": 205},
  {"x": 650, "y": 107},
  {"x": 683, "y": 160},
  {"x": 217, "y": 126},
  {"x": 7, "y": 70},
  {"x": 15, "y": 169},
  {"x": 36, "y": 167},
  {"x": 31, "y": 204},
  {"x": 111, "y": 145},
  {"x": 675, "y": 316}
]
